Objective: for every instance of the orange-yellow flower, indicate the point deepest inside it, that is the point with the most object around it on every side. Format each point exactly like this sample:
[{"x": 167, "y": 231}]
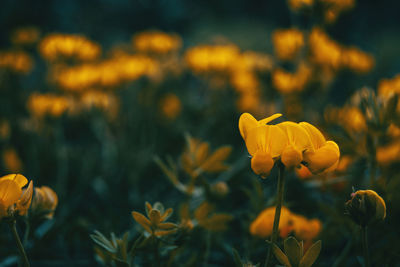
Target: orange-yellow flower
[
  {"x": 298, "y": 141},
  {"x": 322, "y": 154},
  {"x": 44, "y": 202},
  {"x": 264, "y": 142},
  {"x": 262, "y": 225},
  {"x": 12, "y": 198}
]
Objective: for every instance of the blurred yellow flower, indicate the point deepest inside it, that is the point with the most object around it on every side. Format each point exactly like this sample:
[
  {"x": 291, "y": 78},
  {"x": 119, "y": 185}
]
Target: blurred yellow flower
[
  {"x": 26, "y": 35},
  {"x": 264, "y": 142},
  {"x": 349, "y": 117},
  {"x": 357, "y": 60},
  {"x": 59, "y": 46},
  {"x": 286, "y": 82},
  {"x": 99, "y": 100},
  {"x": 155, "y": 223},
  {"x": 17, "y": 61},
  {"x": 287, "y": 43},
  {"x": 156, "y": 42},
  {"x": 5, "y": 129},
  {"x": 303, "y": 228},
  {"x": 48, "y": 104},
  {"x": 11, "y": 160},
  {"x": 12, "y": 198},
  {"x": 333, "y": 8},
  {"x": 263, "y": 224},
  {"x": 170, "y": 106},
  {"x": 388, "y": 154},
  {"x": 206, "y": 58},
  {"x": 44, "y": 202},
  {"x": 297, "y": 5},
  {"x": 324, "y": 51},
  {"x": 322, "y": 154}
]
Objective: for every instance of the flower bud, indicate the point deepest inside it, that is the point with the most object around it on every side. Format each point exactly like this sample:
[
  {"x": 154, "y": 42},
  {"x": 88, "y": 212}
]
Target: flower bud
[
  {"x": 366, "y": 207},
  {"x": 220, "y": 189},
  {"x": 44, "y": 202}
]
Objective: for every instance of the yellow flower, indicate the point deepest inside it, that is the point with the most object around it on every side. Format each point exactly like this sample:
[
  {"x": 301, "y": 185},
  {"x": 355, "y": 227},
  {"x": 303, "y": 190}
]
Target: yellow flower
[
  {"x": 156, "y": 42},
  {"x": 322, "y": 154},
  {"x": 286, "y": 82},
  {"x": 26, "y": 35},
  {"x": 264, "y": 142},
  {"x": 59, "y": 46},
  {"x": 17, "y": 61},
  {"x": 12, "y": 198},
  {"x": 263, "y": 224},
  {"x": 11, "y": 160},
  {"x": 44, "y": 202},
  {"x": 287, "y": 43},
  {"x": 155, "y": 223},
  {"x": 298, "y": 142}
]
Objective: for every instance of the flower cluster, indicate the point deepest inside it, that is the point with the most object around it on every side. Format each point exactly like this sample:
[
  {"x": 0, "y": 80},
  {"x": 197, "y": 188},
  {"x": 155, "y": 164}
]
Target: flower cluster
[{"x": 292, "y": 143}]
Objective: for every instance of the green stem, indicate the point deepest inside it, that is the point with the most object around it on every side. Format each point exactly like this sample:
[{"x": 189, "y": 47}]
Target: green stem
[
  {"x": 156, "y": 253},
  {"x": 364, "y": 238},
  {"x": 21, "y": 250},
  {"x": 279, "y": 200},
  {"x": 27, "y": 231}
]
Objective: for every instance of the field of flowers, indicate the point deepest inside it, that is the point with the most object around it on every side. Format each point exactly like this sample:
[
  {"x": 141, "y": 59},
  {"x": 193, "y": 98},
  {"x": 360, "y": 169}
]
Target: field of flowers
[{"x": 270, "y": 142}]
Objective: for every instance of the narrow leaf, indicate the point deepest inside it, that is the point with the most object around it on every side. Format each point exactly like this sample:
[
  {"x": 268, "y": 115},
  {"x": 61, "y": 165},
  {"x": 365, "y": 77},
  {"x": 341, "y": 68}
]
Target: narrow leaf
[
  {"x": 311, "y": 255},
  {"x": 293, "y": 250},
  {"x": 236, "y": 258},
  {"x": 282, "y": 258}
]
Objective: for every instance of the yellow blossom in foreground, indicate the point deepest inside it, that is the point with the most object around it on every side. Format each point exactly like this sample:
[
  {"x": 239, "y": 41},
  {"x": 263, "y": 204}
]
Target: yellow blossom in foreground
[
  {"x": 11, "y": 160},
  {"x": 170, "y": 106},
  {"x": 44, "y": 202},
  {"x": 323, "y": 154},
  {"x": 12, "y": 198},
  {"x": 155, "y": 223},
  {"x": 298, "y": 141},
  {"x": 17, "y": 61},
  {"x": 287, "y": 43},
  {"x": 156, "y": 42},
  {"x": 58, "y": 46},
  {"x": 26, "y": 35},
  {"x": 264, "y": 142}
]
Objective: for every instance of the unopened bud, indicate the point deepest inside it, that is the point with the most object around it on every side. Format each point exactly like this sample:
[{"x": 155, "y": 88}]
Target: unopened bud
[{"x": 366, "y": 207}]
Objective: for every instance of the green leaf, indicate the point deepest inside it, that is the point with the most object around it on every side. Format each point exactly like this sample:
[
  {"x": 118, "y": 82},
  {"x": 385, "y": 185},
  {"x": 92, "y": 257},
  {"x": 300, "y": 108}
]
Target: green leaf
[
  {"x": 282, "y": 258},
  {"x": 293, "y": 250},
  {"x": 236, "y": 258},
  {"x": 311, "y": 255},
  {"x": 103, "y": 242}
]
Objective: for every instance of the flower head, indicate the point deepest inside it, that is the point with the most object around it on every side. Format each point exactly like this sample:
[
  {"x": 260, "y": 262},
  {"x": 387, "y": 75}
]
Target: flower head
[
  {"x": 44, "y": 202},
  {"x": 366, "y": 207},
  {"x": 264, "y": 142},
  {"x": 13, "y": 200}
]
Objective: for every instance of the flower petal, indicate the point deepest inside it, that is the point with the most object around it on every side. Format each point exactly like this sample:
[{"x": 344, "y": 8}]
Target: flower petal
[
  {"x": 246, "y": 122},
  {"x": 18, "y": 178},
  {"x": 10, "y": 192},
  {"x": 316, "y": 137}
]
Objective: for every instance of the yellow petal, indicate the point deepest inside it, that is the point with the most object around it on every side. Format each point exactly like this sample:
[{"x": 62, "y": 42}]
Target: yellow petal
[
  {"x": 322, "y": 158},
  {"x": 270, "y": 118},
  {"x": 291, "y": 156},
  {"x": 24, "y": 202},
  {"x": 266, "y": 138},
  {"x": 18, "y": 178},
  {"x": 316, "y": 137},
  {"x": 246, "y": 122},
  {"x": 262, "y": 163},
  {"x": 10, "y": 192},
  {"x": 297, "y": 135}
]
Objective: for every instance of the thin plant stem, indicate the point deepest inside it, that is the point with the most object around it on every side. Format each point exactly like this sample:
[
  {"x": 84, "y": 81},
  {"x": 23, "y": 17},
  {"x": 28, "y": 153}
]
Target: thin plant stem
[
  {"x": 156, "y": 253},
  {"x": 27, "y": 231},
  {"x": 21, "y": 250},
  {"x": 364, "y": 238},
  {"x": 279, "y": 200}
]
